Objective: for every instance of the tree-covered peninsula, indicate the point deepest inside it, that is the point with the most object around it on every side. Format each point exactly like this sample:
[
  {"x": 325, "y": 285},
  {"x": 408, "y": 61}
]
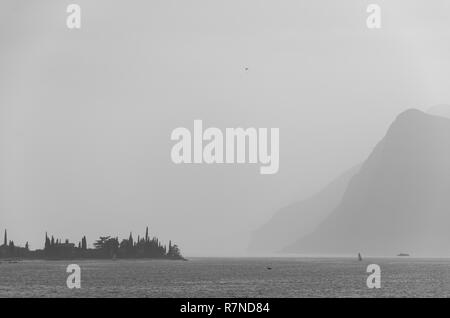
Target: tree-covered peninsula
[{"x": 106, "y": 247}]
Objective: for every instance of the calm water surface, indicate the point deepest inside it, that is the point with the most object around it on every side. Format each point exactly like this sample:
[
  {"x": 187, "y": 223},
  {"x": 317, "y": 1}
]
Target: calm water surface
[{"x": 228, "y": 277}]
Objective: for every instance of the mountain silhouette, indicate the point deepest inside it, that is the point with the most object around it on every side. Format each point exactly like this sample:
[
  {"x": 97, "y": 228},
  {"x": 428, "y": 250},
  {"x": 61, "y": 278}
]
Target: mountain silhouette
[
  {"x": 399, "y": 201},
  {"x": 299, "y": 218}
]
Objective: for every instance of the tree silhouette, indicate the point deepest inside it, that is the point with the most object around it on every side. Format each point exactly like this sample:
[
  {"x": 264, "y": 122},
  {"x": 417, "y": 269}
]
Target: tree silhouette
[
  {"x": 84, "y": 243},
  {"x": 105, "y": 247}
]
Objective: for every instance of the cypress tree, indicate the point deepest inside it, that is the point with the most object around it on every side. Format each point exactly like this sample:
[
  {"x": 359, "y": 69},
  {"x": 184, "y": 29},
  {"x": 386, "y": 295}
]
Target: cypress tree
[
  {"x": 130, "y": 239},
  {"x": 47, "y": 241},
  {"x": 5, "y": 241},
  {"x": 84, "y": 243}
]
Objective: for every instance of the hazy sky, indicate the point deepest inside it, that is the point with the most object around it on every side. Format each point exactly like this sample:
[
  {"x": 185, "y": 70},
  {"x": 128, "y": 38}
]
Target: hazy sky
[{"x": 86, "y": 115}]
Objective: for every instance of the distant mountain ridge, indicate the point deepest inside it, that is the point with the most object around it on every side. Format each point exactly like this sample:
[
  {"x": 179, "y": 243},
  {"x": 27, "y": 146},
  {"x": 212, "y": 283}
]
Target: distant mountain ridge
[
  {"x": 442, "y": 110},
  {"x": 398, "y": 201},
  {"x": 299, "y": 218}
]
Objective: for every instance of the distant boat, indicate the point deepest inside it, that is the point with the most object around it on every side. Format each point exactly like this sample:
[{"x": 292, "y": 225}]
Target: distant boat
[
  {"x": 359, "y": 257},
  {"x": 403, "y": 254}
]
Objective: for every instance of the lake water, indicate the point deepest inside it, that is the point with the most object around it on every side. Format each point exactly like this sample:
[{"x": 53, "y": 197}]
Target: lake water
[{"x": 228, "y": 277}]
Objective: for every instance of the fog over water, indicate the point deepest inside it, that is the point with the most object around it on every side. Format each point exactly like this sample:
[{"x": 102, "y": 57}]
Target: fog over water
[{"x": 86, "y": 115}]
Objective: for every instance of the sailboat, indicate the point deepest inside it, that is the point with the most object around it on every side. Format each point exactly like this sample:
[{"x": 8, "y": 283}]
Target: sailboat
[{"x": 359, "y": 257}]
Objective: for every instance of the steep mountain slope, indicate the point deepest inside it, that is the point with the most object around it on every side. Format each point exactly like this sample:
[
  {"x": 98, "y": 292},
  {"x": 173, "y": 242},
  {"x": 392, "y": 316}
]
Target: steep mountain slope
[
  {"x": 400, "y": 199},
  {"x": 299, "y": 218}
]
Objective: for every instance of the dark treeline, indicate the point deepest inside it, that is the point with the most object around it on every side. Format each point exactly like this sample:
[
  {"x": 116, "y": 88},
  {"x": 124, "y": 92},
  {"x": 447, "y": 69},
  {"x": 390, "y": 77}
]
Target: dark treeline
[{"x": 106, "y": 247}]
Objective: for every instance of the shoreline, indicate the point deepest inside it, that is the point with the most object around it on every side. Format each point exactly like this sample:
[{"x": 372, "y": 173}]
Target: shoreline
[{"x": 19, "y": 259}]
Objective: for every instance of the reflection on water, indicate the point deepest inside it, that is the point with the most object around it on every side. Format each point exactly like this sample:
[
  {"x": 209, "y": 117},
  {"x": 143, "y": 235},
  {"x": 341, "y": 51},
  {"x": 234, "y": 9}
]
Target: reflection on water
[{"x": 228, "y": 277}]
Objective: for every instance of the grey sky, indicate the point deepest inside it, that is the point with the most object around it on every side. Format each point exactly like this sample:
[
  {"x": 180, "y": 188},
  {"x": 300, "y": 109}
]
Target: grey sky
[{"x": 86, "y": 115}]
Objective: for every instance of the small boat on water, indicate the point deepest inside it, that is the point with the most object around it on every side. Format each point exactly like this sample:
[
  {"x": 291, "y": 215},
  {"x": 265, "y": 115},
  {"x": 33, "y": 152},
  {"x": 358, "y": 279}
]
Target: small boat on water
[
  {"x": 359, "y": 257},
  {"x": 403, "y": 255}
]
